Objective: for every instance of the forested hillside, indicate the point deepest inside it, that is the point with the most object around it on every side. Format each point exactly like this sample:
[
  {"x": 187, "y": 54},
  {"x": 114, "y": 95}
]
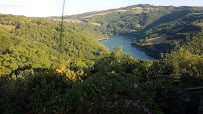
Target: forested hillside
[
  {"x": 37, "y": 42},
  {"x": 152, "y": 27},
  {"x": 123, "y": 21},
  {"x": 44, "y": 71},
  {"x": 182, "y": 28}
]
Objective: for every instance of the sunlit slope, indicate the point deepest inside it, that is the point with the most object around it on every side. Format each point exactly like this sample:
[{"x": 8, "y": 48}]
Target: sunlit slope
[
  {"x": 123, "y": 20},
  {"x": 37, "y": 42}
]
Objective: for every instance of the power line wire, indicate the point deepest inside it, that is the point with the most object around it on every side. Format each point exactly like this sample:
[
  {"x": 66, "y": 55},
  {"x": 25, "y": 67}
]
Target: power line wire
[
  {"x": 62, "y": 15},
  {"x": 61, "y": 35}
]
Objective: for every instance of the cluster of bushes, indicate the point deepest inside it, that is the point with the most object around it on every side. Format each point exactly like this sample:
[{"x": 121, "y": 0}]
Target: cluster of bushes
[{"x": 117, "y": 83}]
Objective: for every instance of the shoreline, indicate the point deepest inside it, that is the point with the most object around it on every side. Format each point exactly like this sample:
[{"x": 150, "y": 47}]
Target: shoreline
[
  {"x": 102, "y": 39},
  {"x": 145, "y": 50},
  {"x": 139, "y": 49}
]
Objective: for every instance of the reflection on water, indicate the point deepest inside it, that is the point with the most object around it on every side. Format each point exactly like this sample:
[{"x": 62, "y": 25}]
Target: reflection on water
[{"x": 117, "y": 41}]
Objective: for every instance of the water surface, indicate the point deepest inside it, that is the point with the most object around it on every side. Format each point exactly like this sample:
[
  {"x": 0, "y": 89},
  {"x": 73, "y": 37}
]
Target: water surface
[{"x": 117, "y": 41}]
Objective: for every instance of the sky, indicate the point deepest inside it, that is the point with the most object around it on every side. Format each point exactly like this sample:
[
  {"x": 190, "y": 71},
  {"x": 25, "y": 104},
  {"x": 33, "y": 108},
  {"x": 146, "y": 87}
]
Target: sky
[{"x": 44, "y": 8}]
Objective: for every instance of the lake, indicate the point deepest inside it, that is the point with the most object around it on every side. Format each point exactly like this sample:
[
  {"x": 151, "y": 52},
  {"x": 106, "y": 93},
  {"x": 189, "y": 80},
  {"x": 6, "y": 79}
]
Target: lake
[{"x": 117, "y": 41}]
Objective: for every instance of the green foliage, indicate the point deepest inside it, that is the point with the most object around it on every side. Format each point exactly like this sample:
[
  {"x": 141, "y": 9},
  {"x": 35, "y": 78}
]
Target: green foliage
[
  {"x": 48, "y": 92},
  {"x": 38, "y": 42},
  {"x": 120, "y": 84},
  {"x": 181, "y": 29},
  {"x": 79, "y": 65},
  {"x": 117, "y": 61},
  {"x": 183, "y": 65},
  {"x": 123, "y": 21},
  {"x": 92, "y": 80}
]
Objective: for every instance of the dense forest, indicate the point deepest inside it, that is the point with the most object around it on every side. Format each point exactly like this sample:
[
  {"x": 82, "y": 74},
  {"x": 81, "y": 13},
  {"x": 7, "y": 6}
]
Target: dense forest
[
  {"x": 46, "y": 69},
  {"x": 182, "y": 28},
  {"x": 38, "y": 42}
]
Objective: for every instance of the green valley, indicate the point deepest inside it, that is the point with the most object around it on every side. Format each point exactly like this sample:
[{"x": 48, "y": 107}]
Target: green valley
[
  {"x": 48, "y": 69},
  {"x": 146, "y": 22}
]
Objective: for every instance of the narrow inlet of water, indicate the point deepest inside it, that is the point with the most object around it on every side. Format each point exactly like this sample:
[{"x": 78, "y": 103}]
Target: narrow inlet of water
[{"x": 117, "y": 41}]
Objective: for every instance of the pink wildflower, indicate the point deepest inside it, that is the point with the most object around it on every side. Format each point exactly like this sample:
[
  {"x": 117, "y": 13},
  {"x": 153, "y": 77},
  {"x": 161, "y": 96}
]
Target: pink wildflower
[
  {"x": 134, "y": 104},
  {"x": 103, "y": 97},
  {"x": 90, "y": 110},
  {"x": 138, "y": 106},
  {"x": 146, "y": 109},
  {"x": 149, "y": 113},
  {"x": 81, "y": 98},
  {"x": 135, "y": 85},
  {"x": 128, "y": 102},
  {"x": 110, "y": 84},
  {"x": 103, "y": 87},
  {"x": 138, "y": 101},
  {"x": 109, "y": 104},
  {"x": 116, "y": 95}
]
